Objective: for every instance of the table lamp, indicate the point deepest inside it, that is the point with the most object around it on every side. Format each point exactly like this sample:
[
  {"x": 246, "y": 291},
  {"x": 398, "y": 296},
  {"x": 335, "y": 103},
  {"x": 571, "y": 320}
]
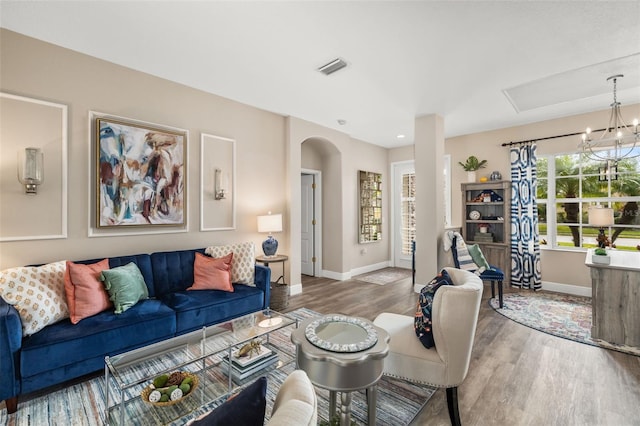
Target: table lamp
[
  {"x": 601, "y": 216},
  {"x": 270, "y": 223}
]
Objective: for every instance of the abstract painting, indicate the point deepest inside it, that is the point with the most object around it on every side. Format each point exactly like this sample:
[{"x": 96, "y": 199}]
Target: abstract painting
[{"x": 140, "y": 175}]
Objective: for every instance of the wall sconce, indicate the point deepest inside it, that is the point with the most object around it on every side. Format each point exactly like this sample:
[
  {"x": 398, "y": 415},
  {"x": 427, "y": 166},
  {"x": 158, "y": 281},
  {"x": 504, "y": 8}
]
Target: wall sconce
[
  {"x": 601, "y": 216},
  {"x": 31, "y": 169},
  {"x": 220, "y": 192},
  {"x": 270, "y": 223}
]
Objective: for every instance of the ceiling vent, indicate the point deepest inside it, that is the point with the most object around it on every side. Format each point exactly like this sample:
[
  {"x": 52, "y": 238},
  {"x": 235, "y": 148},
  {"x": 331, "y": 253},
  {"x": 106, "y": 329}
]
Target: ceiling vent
[{"x": 333, "y": 66}]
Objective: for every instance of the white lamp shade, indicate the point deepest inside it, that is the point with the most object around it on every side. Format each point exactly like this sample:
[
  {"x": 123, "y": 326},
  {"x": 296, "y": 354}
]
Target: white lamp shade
[
  {"x": 270, "y": 223},
  {"x": 600, "y": 216}
]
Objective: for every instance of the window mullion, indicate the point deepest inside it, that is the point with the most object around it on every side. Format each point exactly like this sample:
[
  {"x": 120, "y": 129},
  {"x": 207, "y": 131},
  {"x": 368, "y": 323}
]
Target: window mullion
[{"x": 551, "y": 202}]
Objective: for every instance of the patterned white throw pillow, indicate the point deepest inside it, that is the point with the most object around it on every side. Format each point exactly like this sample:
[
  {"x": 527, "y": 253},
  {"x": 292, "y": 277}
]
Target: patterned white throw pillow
[
  {"x": 37, "y": 293},
  {"x": 243, "y": 263},
  {"x": 464, "y": 258}
]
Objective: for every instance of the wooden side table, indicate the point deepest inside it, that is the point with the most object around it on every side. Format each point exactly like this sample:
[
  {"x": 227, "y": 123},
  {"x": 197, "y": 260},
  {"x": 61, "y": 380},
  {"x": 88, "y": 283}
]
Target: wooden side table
[{"x": 279, "y": 290}]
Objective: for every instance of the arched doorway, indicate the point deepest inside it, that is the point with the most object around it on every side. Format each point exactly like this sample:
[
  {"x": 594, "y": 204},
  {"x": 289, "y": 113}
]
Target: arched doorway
[{"x": 320, "y": 166}]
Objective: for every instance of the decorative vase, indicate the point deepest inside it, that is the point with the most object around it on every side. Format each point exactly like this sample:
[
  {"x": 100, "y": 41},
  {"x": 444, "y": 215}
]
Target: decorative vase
[
  {"x": 471, "y": 176},
  {"x": 270, "y": 246}
]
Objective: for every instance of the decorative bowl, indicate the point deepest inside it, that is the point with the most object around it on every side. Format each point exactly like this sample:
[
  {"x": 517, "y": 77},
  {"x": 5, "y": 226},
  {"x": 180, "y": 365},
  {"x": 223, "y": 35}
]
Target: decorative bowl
[{"x": 147, "y": 391}]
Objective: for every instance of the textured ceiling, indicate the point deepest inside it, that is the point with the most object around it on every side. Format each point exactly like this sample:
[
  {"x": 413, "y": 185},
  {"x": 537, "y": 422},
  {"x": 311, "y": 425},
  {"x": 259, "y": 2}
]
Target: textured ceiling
[{"x": 405, "y": 58}]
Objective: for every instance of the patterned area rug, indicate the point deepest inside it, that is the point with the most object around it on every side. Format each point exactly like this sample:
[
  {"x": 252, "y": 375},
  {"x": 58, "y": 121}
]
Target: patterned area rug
[
  {"x": 557, "y": 314},
  {"x": 384, "y": 276},
  {"x": 82, "y": 403}
]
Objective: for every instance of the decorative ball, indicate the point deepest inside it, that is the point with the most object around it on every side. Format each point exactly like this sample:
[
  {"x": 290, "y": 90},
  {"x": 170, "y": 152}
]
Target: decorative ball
[
  {"x": 176, "y": 394},
  {"x": 155, "y": 396},
  {"x": 474, "y": 215}
]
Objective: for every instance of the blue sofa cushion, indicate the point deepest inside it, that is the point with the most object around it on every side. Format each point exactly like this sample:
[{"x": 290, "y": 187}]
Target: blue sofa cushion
[
  {"x": 194, "y": 309},
  {"x": 64, "y": 343},
  {"x": 10, "y": 344},
  {"x": 143, "y": 261},
  {"x": 173, "y": 270}
]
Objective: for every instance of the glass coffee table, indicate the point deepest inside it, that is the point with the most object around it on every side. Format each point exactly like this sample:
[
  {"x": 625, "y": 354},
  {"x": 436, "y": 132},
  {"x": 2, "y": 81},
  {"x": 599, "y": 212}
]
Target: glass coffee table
[{"x": 204, "y": 353}]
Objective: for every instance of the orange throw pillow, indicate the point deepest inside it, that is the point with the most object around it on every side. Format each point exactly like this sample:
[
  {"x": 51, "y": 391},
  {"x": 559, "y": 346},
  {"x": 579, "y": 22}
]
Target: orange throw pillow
[
  {"x": 210, "y": 273},
  {"x": 86, "y": 295}
]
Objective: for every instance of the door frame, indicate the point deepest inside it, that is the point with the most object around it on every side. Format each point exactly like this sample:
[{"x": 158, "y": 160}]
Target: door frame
[
  {"x": 394, "y": 191},
  {"x": 317, "y": 213},
  {"x": 395, "y": 206}
]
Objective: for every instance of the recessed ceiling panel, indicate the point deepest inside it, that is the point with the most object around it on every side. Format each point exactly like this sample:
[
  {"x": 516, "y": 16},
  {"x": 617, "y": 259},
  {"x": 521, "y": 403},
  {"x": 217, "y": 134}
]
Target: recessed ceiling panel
[{"x": 576, "y": 84}]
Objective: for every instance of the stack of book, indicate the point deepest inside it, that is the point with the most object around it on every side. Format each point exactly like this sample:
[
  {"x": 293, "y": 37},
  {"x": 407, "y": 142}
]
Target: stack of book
[
  {"x": 483, "y": 237},
  {"x": 242, "y": 367}
]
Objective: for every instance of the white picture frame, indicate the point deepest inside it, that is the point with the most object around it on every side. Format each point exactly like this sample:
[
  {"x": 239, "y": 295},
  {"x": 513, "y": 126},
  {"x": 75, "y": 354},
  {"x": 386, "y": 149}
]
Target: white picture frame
[
  {"x": 217, "y": 153},
  {"x": 29, "y": 122}
]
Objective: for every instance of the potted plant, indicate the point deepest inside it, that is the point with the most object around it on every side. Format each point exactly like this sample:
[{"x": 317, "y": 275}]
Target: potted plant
[
  {"x": 600, "y": 256},
  {"x": 471, "y": 166}
]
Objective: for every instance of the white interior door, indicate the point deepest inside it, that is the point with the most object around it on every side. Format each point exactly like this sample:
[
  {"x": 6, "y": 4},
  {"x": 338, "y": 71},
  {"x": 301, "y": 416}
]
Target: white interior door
[
  {"x": 307, "y": 234},
  {"x": 403, "y": 213}
]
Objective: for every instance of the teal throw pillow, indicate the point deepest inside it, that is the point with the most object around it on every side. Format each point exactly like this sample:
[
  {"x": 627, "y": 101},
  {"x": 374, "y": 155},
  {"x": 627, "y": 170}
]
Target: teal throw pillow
[
  {"x": 125, "y": 285},
  {"x": 422, "y": 323},
  {"x": 478, "y": 257}
]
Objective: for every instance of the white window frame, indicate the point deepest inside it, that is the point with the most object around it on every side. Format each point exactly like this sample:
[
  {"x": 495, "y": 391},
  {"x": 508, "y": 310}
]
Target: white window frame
[{"x": 551, "y": 202}]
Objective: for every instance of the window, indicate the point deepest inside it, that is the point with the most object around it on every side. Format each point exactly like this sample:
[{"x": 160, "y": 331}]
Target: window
[
  {"x": 569, "y": 183},
  {"x": 406, "y": 206},
  {"x": 408, "y": 211}
]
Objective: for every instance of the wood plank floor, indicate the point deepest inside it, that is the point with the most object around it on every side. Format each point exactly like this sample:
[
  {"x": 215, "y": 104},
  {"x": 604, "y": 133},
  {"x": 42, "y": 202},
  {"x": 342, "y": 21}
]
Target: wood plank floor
[{"x": 517, "y": 376}]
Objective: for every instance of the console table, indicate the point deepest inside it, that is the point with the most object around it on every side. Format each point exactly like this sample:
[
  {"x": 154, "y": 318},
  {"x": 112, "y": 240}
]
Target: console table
[{"x": 615, "y": 297}]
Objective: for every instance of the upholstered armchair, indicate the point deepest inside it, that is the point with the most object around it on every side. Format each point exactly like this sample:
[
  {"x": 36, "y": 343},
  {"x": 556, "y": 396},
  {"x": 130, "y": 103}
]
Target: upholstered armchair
[
  {"x": 454, "y": 317},
  {"x": 296, "y": 402}
]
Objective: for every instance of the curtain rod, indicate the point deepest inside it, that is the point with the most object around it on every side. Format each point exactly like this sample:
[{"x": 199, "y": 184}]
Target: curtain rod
[{"x": 550, "y": 137}]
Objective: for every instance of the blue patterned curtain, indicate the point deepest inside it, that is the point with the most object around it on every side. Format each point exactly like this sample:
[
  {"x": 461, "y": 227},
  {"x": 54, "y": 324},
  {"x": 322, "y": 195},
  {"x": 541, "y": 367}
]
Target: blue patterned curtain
[{"x": 525, "y": 242}]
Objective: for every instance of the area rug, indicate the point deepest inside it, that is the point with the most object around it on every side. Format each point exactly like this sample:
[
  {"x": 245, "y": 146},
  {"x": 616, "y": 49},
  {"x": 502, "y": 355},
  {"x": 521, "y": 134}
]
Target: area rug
[
  {"x": 384, "y": 276},
  {"x": 557, "y": 314},
  {"x": 82, "y": 403}
]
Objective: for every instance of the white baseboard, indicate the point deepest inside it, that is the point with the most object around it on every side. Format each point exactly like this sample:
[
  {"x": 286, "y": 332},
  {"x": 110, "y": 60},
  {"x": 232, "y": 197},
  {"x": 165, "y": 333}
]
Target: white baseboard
[
  {"x": 576, "y": 290},
  {"x": 295, "y": 289},
  {"x": 370, "y": 268},
  {"x": 340, "y": 276}
]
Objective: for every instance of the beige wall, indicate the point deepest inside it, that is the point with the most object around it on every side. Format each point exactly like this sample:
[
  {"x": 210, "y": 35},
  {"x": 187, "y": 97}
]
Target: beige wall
[
  {"x": 39, "y": 70},
  {"x": 340, "y": 157},
  {"x": 263, "y": 151},
  {"x": 20, "y": 214},
  {"x": 429, "y": 149},
  {"x": 43, "y": 71}
]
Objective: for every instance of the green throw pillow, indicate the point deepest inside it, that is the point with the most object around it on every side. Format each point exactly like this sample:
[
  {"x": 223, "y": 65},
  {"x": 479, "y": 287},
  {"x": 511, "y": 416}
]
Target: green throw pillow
[
  {"x": 478, "y": 257},
  {"x": 125, "y": 285}
]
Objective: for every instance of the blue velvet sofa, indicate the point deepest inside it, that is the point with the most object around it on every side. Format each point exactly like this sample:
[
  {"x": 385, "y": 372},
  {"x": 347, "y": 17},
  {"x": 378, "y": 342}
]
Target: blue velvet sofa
[{"x": 64, "y": 351}]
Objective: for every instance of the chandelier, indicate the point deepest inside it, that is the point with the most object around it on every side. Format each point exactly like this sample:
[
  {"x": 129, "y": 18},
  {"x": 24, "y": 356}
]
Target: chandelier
[{"x": 617, "y": 140}]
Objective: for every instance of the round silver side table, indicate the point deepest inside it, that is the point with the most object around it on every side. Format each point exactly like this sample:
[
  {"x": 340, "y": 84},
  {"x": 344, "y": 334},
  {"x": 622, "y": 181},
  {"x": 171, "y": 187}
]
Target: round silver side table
[{"x": 343, "y": 371}]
